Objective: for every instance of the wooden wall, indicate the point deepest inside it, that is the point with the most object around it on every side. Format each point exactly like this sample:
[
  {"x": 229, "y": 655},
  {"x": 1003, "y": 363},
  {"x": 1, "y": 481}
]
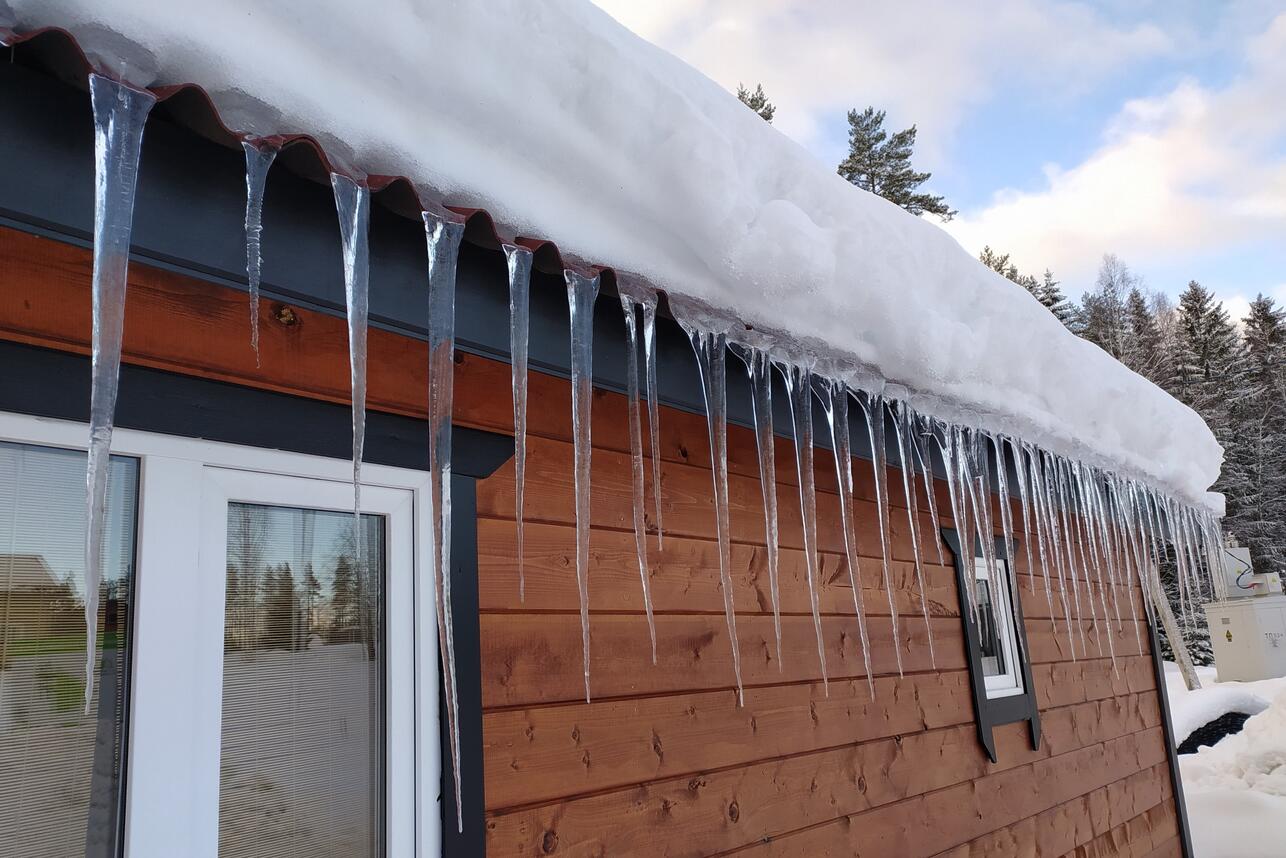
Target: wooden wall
[{"x": 663, "y": 761}]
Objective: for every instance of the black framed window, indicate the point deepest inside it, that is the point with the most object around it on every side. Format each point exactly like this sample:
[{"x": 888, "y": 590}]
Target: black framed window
[{"x": 995, "y": 642}]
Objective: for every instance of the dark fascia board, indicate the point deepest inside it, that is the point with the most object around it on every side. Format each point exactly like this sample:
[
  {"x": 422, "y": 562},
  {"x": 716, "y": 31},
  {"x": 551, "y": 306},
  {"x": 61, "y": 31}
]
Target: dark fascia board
[
  {"x": 1171, "y": 747},
  {"x": 991, "y": 713}
]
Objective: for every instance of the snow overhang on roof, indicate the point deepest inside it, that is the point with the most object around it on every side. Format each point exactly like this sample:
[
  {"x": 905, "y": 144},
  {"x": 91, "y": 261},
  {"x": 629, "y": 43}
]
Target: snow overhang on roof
[{"x": 552, "y": 120}]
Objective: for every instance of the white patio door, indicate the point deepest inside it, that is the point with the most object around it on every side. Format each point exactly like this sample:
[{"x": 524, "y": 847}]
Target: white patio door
[{"x": 275, "y": 680}]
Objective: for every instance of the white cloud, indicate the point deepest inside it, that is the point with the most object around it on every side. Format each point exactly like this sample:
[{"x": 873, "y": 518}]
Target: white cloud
[
  {"x": 1197, "y": 171},
  {"x": 927, "y": 61}
]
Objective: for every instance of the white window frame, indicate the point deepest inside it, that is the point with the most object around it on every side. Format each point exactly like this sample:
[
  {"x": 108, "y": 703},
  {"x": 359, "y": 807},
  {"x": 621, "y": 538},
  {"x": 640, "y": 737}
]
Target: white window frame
[
  {"x": 1009, "y": 683},
  {"x": 177, "y": 668}
]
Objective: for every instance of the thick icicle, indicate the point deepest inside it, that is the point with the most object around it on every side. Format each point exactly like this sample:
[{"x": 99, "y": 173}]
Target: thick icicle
[
  {"x": 834, "y": 396},
  {"x": 759, "y": 369},
  {"x": 519, "y": 259},
  {"x": 443, "y": 239},
  {"x": 920, "y": 429},
  {"x": 1020, "y": 470},
  {"x": 1046, "y": 524},
  {"x": 711, "y": 351},
  {"x": 1060, "y": 493},
  {"x": 1161, "y": 606},
  {"x": 799, "y": 387},
  {"x": 629, "y": 308},
  {"x": 120, "y": 112},
  {"x": 903, "y": 422},
  {"x": 873, "y": 406},
  {"x": 653, "y": 407},
  {"x": 259, "y": 157},
  {"x": 581, "y": 293},
  {"x": 353, "y": 202},
  {"x": 1007, "y": 523}
]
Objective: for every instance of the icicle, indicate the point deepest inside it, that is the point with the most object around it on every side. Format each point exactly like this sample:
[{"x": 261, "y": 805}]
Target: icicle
[
  {"x": 926, "y": 468},
  {"x": 799, "y": 388},
  {"x": 711, "y": 351},
  {"x": 1080, "y": 518},
  {"x": 628, "y": 306},
  {"x": 873, "y": 407},
  {"x": 519, "y": 259},
  {"x": 902, "y": 425},
  {"x": 581, "y": 294},
  {"x": 834, "y": 397},
  {"x": 1060, "y": 493},
  {"x": 1020, "y": 471},
  {"x": 1047, "y": 522},
  {"x": 120, "y": 113},
  {"x": 353, "y": 202},
  {"x": 1088, "y": 543},
  {"x": 653, "y": 407},
  {"x": 759, "y": 369},
  {"x": 946, "y": 439},
  {"x": 259, "y": 157},
  {"x": 443, "y": 239},
  {"x": 1006, "y": 524}
]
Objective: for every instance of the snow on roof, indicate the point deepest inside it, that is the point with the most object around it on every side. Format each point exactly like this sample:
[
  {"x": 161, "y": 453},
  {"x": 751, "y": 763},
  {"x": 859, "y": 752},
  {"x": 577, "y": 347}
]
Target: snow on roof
[{"x": 563, "y": 124}]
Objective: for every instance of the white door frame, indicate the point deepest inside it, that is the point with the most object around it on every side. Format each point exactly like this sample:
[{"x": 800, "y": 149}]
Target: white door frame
[{"x": 177, "y": 670}]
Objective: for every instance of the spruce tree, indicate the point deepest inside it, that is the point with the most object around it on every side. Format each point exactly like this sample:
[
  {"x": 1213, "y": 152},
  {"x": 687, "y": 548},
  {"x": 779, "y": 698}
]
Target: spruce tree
[
  {"x": 1144, "y": 350},
  {"x": 1049, "y": 294},
  {"x": 1255, "y": 456},
  {"x": 1102, "y": 318},
  {"x": 757, "y": 101},
  {"x": 881, "y": 164}
]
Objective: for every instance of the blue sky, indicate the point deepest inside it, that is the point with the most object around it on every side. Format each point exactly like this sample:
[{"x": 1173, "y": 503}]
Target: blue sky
[{"x": 1061, "y": 130}]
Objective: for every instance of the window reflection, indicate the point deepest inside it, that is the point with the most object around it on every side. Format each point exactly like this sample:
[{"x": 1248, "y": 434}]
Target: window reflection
[
  {"x": 302, "y": 748},
  {"x": 60, "y": 767}
]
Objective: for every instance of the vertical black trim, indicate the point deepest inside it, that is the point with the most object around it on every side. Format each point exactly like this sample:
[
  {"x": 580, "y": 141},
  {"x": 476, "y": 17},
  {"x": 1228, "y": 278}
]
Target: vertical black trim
[
  {"x": 1171, "y": 752},
  {"x": 468, "y": 662},
  {"x": 990, "y": 713}
]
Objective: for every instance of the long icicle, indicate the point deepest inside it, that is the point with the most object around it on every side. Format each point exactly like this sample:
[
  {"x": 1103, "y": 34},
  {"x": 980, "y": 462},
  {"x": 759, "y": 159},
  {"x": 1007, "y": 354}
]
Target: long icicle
[
  {"x": 519, "y": 262},
  {"x": 629, "y": 309},
  {"x": 1020, "y": 471},
  {"x": 653, "y": 407},
  {"x": 353, "y": 203},
  {"x": 120, "y": 112},
  {"x": 799, "y": 388},
  {"x": 902, "y": 424},
  {"x": 443, "y": 238},
  {"x": 873, "y": 406},
  {"x": 923, "y": 428},
  {"x": 759, "y": 370},
  {"x": 259, "y": 157},
  {"x": 711, "y": 352},
  {"x": 581, "y": 293},
  {"x": 834, "y": 397},
  {"x": 1007, "y": 524}
]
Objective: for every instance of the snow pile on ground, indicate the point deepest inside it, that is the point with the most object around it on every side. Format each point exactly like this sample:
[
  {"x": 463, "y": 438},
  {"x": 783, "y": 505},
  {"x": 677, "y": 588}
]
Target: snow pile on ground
[
  {"x": 1190, "y": 710},
  {"x": 1235, "y": 790},
  {"x": 567, "y": 126}
]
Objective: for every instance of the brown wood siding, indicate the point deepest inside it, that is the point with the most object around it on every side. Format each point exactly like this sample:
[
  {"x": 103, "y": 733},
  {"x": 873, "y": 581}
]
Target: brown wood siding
[{"x": 663, "y": 761}]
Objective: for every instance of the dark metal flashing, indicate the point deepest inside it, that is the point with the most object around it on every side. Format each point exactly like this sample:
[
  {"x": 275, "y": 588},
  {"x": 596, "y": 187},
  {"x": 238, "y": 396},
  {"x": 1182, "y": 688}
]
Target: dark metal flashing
[
  {"x": 989, "y": 713},
  {"x": 1171, "y": 752}
]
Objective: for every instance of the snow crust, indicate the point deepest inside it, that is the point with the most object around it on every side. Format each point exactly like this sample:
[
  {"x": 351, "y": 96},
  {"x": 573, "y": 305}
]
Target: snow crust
[
  {"x": 564, "y": 125},
  {"x": 1236, "y": 790}
]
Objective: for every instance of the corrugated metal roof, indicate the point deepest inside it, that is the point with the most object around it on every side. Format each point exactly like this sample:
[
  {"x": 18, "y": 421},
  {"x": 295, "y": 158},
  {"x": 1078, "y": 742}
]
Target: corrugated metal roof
[{"x": 57, "y": 52}]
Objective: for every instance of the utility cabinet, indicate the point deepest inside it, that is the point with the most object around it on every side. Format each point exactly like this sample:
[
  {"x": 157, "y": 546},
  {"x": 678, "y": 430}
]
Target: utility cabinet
[{"x": 1248, "y": 637}]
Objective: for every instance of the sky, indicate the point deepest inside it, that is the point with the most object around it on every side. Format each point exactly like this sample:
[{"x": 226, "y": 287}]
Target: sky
[{"x": 1061, "y": 131}]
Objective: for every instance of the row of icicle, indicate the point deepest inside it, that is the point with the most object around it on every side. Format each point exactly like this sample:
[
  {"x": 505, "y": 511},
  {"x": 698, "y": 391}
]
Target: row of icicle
[{"x": 1088, "y": 531}]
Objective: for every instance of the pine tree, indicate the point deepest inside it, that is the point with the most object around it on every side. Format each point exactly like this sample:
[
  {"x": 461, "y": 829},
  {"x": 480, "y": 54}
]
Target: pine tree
[
  {"x": 1144, "y": 350},
  {"x": 1255, "y": 456},
  {"x": 881, "y": 164},
  {"x": 1102, "y": 318},
  {"x": 1049, "y": 294},
  {"x": 757, "y": 101}
]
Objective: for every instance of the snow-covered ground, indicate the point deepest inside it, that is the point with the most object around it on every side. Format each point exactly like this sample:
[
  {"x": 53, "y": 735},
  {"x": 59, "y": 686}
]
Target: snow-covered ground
[{"x": 1235, "y": 790}]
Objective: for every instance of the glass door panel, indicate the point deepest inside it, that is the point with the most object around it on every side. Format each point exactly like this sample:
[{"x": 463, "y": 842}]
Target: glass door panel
[{"x": 302, "y": 750}]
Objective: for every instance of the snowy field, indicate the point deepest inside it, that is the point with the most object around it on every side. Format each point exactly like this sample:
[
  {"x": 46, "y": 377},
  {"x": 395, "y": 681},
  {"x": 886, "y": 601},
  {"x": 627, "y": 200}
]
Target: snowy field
[{"x": 1235, "y": 790}]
